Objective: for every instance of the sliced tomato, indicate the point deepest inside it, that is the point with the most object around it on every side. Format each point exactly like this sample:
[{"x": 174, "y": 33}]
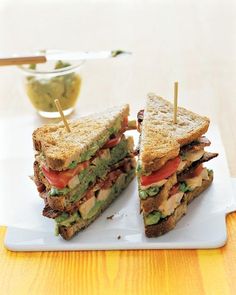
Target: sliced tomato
[
  {"x": 196, "y": 172},
  {"x": 174, "y": 190},
  {"x": 60, "y": 179},
  {"x": 112, "y": 142},
  {"x": 168, "y": 169}
]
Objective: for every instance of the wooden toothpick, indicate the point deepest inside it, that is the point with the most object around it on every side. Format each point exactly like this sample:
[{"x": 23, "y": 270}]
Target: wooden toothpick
[
  {"x": 175, "y": 101},
  {"x": 58, "y": 105},
  {"x": 22, "y": 60}
]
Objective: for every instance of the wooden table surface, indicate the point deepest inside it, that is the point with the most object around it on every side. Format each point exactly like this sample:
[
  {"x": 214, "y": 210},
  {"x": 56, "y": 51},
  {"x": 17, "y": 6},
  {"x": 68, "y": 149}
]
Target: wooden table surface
[{"x": 189, "y": 41}]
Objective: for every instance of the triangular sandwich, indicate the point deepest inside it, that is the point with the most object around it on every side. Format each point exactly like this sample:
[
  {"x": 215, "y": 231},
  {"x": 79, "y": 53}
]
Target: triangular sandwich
[
  {"x": 79, "y": 173},
  {"x": 170, "y": 166}
]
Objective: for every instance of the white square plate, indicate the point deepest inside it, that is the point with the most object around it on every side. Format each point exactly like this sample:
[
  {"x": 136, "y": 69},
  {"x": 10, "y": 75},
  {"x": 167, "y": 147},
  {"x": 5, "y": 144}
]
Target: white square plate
[{"x": 202, "y": 227}]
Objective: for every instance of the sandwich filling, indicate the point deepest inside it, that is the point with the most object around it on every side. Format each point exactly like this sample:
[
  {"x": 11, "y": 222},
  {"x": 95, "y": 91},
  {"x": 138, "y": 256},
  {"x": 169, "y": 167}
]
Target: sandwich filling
[
  {"x": 73, "y": 183},
  {"x": 78, "y": 194},
  {"x": 162, "y": 191},
  {"x": 96, "y": 199}
]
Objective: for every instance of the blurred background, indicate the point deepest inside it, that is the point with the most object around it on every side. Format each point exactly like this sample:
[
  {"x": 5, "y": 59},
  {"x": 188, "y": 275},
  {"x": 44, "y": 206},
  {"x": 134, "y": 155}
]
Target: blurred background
[{"x": 193, "y": 42}]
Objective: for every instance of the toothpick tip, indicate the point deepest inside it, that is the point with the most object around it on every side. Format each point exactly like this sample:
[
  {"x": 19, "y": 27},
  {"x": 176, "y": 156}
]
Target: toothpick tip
[{"x": 59, "y": 108}]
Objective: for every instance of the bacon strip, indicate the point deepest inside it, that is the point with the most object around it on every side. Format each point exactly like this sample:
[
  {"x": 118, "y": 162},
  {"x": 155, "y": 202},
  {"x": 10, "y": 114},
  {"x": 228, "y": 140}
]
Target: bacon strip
[
  {"x": 206, "y": 157},
  {"x": 196, "y": 145}
]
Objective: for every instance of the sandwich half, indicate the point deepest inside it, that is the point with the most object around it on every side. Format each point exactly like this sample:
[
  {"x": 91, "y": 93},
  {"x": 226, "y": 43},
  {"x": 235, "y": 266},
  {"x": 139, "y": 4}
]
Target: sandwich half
[
  {"x": 78, "y": 174},
  {"x": 170, "y": 164}
]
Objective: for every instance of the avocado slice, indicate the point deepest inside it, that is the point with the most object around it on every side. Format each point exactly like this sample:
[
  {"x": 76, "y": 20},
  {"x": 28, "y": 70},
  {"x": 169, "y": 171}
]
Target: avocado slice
[
  {"x": 152, "y": 218},
  {"x": 86, "y": 207}
]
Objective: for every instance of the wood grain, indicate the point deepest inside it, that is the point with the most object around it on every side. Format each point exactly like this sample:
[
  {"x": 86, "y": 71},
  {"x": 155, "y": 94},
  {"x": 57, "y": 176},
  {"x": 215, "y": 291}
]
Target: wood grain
[
  {"x": 13, "y": 61},
  {"x": 121, "y": 272}
]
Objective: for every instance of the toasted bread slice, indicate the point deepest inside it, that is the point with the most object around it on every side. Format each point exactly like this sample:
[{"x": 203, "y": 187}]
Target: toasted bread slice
[
  {"x": 60, "y": 148},
  {"x": 161, "y": 139},
  {"x": 170, "y": 222}
]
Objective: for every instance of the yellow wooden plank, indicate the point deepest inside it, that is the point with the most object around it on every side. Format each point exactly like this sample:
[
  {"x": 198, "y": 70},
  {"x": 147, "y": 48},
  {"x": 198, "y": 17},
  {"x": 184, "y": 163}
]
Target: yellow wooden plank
[
  {"x": 214, "y": 279},
  {"x": 229, "y": 253},
  {"x": 121, "y": 272}
]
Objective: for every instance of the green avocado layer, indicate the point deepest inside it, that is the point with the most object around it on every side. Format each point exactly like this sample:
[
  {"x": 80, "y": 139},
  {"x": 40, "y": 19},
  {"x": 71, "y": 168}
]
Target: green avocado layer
[
  {"x": 65, "y": 219},
  {"x": 98, "y": 168},
  {"x": 149, "y": 192},
  {"x": 184, "y": 188},
  {"x": 152, "y": 218}
]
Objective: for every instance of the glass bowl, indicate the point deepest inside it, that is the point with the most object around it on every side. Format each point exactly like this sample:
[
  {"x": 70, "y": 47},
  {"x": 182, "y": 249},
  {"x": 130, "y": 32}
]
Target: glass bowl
[{"x": 46, "y": 82}]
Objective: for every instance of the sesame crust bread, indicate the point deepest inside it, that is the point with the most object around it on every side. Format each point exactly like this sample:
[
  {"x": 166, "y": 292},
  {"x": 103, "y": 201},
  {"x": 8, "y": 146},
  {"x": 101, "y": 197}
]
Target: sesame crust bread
[
  {"x": 60, "y": 147},
  {"x": 161, "y": 139},
  {"x": 170, "y": 222}
]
